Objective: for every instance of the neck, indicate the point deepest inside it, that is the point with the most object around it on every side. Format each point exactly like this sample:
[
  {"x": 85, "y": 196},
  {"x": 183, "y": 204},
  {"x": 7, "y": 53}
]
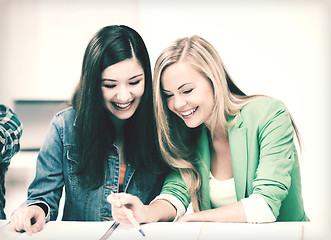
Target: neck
[
  {"x": 219, "y": 133},
  {"x": 118, "y": 125}
]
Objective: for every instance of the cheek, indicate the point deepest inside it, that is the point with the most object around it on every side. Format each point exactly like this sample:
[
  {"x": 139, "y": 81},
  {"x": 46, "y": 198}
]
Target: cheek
[
  {"x": 104, "y": 93},
  {"x": 107, "y": 97},
  {"x": 209, "y": 107},
  {"x": 108, "y": 93},
  {"x": 139, "y": 91},
  {"x": 209, "y": 100},
  {"x": 170, "y": 104},
  {"x": 208, "y": 94}
]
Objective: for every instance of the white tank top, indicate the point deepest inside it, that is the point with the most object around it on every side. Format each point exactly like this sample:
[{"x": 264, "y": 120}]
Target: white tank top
[{"x": 222, "y": 192}]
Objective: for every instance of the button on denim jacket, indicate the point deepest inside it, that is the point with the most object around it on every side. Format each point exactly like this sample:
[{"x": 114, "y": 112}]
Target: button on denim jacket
[{"x": 56, "y": 163}]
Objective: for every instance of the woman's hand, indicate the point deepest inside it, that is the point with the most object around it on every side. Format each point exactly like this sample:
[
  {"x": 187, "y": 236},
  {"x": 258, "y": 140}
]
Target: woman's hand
[
  {"x": 132, "y": 203},
  {"x": 30, "y": 219}
]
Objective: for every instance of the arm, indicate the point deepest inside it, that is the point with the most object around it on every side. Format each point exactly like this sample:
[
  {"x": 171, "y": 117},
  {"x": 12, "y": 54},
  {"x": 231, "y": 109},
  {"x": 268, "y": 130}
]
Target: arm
[
  {"x": 277, "y": 156},
  {"x": 45, "y": 191},
  {"x": 252, "y": 210},
  {"x": 230, "y": 213},
  {"x": 173, "y": 197},
  {"x": 158, "y": 210},
  {"x": 10, "y": 133}
]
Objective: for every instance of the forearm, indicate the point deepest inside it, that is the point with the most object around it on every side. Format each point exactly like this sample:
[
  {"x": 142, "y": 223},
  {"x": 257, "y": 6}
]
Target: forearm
[
  {"x": 230, "y": 213},
  {"x": 160, "y": 211}
]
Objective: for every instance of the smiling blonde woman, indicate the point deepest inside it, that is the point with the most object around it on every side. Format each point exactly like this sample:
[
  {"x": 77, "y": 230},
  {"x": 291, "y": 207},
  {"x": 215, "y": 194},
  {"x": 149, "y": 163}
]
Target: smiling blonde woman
[{"x": 233, "y": 156}]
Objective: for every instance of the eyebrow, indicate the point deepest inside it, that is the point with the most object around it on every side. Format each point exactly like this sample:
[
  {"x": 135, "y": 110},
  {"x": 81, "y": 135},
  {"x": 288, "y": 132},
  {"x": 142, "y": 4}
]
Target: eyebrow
[
  {"x": 113, "y": 80},
  {"x": 164, "y": 90}
]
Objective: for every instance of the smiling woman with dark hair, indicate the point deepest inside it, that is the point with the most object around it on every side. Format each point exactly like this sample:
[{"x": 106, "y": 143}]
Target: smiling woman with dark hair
[{"x": 105, "y": 142}]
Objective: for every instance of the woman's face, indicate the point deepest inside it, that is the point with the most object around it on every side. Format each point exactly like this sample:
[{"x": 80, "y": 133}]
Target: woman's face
[
  {"x": 189, "y": 94},
  {"x": 122, "y": 86}
]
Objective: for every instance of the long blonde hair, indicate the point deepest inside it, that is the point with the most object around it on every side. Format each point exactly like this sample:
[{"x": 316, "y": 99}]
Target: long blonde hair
[{"x": 177, "y": 142}]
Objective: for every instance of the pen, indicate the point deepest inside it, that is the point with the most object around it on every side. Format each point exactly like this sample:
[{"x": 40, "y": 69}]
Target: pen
[
  {"x": 109, "y": 231},
  {"x": 133, "y": 221}
]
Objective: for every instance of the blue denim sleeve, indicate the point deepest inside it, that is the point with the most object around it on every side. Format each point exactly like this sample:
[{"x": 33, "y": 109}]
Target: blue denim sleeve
[{"x": 48, "y": 183}]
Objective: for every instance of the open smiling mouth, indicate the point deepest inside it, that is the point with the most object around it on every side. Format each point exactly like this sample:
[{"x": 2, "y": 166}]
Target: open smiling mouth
[
  {"x": 122, "y": 106},
  {"x": 189, "y": 113}
]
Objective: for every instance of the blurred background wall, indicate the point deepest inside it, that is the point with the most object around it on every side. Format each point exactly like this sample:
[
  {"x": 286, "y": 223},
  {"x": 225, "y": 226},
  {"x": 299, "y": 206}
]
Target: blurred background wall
[{"x": 277, "y": 48}]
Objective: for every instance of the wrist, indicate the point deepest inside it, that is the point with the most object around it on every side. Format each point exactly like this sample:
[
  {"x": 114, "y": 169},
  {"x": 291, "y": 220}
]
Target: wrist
[
  {"x": 161, "y": 210},
  {"x": 150, "y": 214},
  {"x": 42, "y": 206}
]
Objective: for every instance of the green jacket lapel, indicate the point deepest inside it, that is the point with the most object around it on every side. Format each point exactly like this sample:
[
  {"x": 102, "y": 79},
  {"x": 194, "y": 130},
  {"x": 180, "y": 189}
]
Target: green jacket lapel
[
  {"x": 238, "y": 146},
  {"x": 204, "y": 169}
]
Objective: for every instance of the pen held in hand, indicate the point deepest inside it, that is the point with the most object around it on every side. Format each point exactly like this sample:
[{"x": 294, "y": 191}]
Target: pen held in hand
[{"x": 133, "y": 221}]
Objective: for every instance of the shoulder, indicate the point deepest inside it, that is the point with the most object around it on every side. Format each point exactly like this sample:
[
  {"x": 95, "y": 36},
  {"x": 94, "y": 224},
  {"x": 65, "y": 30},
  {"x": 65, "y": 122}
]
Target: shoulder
[
  {"x": 263, "y": 104},
  {"x": 9, "y": 118},
  {"x": 69, "y": 111},
  {"x": 262, "y": 110},
  {"x": 63, "y": 123},
  {"x": 66, "y": 115}
]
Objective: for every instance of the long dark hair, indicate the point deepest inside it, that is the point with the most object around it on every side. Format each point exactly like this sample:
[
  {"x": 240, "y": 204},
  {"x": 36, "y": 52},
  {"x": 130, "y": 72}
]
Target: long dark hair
[{"x": 95, "y": 131}]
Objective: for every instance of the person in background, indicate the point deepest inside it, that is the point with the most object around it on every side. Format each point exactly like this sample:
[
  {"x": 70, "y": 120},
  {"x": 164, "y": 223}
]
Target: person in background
[
  {"x": 105, "y": 142},
  {"x": 233, "y": 155},
  {"x": 10, "y": 134}
]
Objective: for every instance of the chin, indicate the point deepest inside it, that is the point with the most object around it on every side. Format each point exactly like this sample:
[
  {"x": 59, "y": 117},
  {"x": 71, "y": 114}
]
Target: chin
[
  {"x": 192, "y": 125},
  {"x": 125, "y": 116}
]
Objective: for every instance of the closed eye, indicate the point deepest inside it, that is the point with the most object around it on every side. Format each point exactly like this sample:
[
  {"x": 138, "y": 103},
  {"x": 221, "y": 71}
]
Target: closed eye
[
  {"x": 187, "y": 91},
  {"x": 167, "y": 95},
  {"x": 109, "y": 86},
  {"x": 135, "y": 82}
]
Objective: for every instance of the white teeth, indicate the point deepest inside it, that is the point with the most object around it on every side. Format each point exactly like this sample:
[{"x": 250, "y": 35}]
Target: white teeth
[
  {"x": 122, "y": 105},
  {"x": 188, "y": 112}
]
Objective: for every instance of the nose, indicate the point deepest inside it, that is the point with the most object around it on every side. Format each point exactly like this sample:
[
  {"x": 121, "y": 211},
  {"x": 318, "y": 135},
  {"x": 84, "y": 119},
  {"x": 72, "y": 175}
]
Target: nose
[
  {"x": 179, "y": 102},
  {"x": 123, "y": 94}
]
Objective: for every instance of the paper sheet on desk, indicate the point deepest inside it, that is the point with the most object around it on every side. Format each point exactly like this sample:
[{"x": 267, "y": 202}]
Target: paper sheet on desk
[
  {"x": 235, "y": 231},
  {"x": 159, "y": 231},
  {"x": 3, "y": 223},
  {"x": 69, "y": 230},
  {"x": 6, "y": 232}
]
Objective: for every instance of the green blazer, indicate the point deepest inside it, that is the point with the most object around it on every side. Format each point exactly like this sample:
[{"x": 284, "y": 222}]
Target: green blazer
[{"x": 264, "y": 161}]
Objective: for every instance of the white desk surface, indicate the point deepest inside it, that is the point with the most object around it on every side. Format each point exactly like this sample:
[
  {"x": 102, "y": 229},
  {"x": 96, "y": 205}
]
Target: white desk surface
[{"x": 169, "y": 230}]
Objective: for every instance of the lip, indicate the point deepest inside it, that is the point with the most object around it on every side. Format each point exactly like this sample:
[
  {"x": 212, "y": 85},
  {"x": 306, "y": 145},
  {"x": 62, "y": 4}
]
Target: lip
[
  {"x": 122, "y": 106},
  {"x": 188, "y": 113}
]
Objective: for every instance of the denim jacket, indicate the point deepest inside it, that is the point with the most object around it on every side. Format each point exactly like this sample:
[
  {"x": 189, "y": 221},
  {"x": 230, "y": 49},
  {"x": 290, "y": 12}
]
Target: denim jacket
[{"x": 56, "y": 163}]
